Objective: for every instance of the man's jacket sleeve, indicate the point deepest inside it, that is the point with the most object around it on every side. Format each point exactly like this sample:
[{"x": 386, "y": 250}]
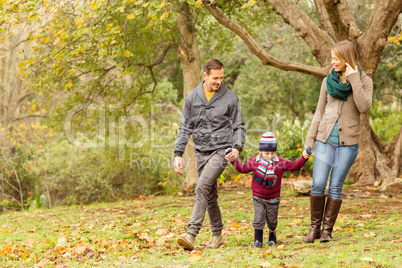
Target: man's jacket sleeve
[
  {"x": 185, "y": 129},
  {"x": 239, "y": 128}
]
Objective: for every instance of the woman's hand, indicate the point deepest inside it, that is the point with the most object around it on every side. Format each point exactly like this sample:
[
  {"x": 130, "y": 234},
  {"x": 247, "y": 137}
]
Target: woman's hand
[{"x": 350, "y": 70}]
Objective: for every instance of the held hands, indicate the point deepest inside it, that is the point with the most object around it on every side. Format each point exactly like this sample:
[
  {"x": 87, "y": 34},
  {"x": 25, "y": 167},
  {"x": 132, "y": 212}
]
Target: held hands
[
  {"x": 178, "y": 165},
  {"x": 350, "y": 70},
  {"x": 232, "y": 156},
  {"x": 307, "y": 153}
]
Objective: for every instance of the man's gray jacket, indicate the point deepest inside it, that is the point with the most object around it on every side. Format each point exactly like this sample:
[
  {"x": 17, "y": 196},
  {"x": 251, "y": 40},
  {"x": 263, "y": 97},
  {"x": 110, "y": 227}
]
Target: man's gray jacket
[{"x": 215, "y": 124}]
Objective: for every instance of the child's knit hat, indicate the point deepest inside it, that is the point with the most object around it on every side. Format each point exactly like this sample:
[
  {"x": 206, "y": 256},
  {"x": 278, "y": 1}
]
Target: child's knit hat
[{"x": 268, "y": 142}]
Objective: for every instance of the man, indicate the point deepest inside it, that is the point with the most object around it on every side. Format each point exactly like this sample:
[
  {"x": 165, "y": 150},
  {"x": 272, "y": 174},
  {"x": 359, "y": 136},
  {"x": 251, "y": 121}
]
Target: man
[{"x": 212, "y": 115}]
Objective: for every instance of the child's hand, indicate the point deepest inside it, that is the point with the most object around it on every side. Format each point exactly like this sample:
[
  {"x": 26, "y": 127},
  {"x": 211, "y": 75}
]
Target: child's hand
[
  {"x": 227, "y": 151},
  {"x": 231, "y": 156},
  {"x": 307, "y": 153}
]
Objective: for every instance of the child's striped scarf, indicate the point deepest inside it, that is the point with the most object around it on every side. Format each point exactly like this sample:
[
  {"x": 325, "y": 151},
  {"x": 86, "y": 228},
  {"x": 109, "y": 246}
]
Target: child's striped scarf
[{"x": 265, "y": 173}]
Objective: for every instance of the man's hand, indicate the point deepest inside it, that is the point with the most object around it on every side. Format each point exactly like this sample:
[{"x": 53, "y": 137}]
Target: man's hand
[
  {"x": 232, "y": 156},
  {"x": 178, "y": 165}
]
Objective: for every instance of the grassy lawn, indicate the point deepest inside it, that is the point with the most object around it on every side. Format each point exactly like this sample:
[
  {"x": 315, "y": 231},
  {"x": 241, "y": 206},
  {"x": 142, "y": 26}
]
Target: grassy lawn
[{"x": 143, "y": 233}]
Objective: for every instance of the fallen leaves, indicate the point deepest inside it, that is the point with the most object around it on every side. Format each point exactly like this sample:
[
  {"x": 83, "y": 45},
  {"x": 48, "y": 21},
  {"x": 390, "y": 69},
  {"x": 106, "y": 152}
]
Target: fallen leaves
[
  {"x": 196, "y": 256},
  {"x": 370, "y": 235},
  {"x": 235, "y": 224},
  {"x": 264, "y": 264}
]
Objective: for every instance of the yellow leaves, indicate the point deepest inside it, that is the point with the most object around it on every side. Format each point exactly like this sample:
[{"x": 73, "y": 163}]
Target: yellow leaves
[
  {"x": 280, "y": 247},
  {"x": 75, "y": 53},
  {"x": 47, "y": 39},
  {"x": 165, "y": 15},
  {"x": 198, "y": 4},
  {"x": 68, "y": 84},
  {"x": 250, "y": 3},
  {"x": 389, "y": 64},
  {"x": 128, "y": 54},
  {"x": 79, "y": 22},
  {"x": 307, "y": 60},
  {"x": 196, "y": 256},
  {"x": 110, "y": 25},
  {"x": 34, "y": 16},
  {"x": 130, "y": 16},
  {"x": 94, "y": 5},
  {"x": 350, "y": 230},
  {"x": 279, "y": 40}
]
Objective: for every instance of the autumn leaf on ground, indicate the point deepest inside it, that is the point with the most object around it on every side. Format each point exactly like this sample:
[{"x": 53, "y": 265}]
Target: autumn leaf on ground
[
  {"x": 195, "y": 258},
  {"x": 29, "y": 242},
  {"x": 264, "y": 264},
  {"x": 235, "y": 224},
  {"x": 42, "y": 263},
  {"x": 266, "y": 254},
  {"x": 350, "y": 230},
  {"x": 161, "y": 232},
  {"x": 280, "y": 247},
  {"x": 370, "y": 235},
  {"x": 336, "y": 228},
  {"x": 289, "y": 234},
  {"x": 368, "y": 259}
]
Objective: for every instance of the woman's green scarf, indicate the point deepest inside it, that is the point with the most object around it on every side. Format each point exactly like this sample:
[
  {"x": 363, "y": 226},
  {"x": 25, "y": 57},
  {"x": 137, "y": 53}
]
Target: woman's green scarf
[{"x": 336, "y": 88}]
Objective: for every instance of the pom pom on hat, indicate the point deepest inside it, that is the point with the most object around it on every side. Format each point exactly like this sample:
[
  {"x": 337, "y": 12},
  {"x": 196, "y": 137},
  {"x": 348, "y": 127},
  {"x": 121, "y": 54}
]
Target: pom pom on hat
[{"x": 268, "y": 142}]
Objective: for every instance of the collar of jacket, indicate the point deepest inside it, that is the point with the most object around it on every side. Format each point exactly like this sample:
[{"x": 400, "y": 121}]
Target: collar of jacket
[{"x": 200, "y": 92}]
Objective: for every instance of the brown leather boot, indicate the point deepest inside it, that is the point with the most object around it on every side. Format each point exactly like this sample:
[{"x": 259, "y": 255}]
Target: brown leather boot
[
  {"x": 331, "y": 213},
  {"x": 316, "y": 209}
]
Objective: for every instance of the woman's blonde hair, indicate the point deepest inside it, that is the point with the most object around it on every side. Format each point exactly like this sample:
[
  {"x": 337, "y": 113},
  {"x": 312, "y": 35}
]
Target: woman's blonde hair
[{"x": 346, "y": 52}]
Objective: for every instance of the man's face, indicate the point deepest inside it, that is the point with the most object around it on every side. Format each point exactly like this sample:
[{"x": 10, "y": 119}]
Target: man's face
[{"x": 214, "y": 80}]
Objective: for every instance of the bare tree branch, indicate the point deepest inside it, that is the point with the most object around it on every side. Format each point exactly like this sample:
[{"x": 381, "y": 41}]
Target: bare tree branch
[
  {"x": 30, "y": 115},
  {"x": 342, "y": 20},
  {"x": 317, "y": 40},
  {"x": 323, "y": 17},
  {"x": 372, "y": 42},
  {"x": 257, "y": 50}
]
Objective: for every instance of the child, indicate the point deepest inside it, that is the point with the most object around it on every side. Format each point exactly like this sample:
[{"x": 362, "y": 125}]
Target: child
[{"x": 267, "y": 171}]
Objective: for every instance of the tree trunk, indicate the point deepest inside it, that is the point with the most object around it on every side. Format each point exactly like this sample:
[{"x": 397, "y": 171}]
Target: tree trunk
[{"x": 191, "y": 67}]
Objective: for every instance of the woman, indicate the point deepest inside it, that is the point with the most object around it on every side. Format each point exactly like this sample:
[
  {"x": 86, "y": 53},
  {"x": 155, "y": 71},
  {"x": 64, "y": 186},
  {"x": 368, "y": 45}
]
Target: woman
[{"x": 345, "y": 93}]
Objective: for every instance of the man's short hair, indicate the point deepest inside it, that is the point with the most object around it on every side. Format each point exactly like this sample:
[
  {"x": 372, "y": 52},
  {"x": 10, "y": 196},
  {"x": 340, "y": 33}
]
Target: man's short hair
[{"x": 212, "y": 64}]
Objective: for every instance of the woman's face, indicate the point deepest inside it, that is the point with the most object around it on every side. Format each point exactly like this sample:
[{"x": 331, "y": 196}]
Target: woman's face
[{"x": 337, "y": 64}]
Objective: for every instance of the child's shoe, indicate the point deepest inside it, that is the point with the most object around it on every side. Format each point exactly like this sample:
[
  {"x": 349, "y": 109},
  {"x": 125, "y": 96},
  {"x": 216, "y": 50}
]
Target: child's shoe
[
  {"x": 272, "y": 238},
  {"x": 257, "y": 244},
  {"x": 257, "y": 239}
]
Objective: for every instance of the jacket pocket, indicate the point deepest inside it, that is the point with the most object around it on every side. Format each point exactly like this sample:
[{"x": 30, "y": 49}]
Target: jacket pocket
[{"x": 221, "y": 138}]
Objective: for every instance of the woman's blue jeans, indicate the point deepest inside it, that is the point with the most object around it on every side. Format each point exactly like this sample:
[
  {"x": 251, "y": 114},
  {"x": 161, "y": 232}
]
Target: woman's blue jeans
[{"x": 340, "y": 159}]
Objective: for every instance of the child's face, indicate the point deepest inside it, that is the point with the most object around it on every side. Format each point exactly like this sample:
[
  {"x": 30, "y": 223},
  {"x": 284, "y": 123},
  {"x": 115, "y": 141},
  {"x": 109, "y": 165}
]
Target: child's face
[{"x": 268, "y": 155}]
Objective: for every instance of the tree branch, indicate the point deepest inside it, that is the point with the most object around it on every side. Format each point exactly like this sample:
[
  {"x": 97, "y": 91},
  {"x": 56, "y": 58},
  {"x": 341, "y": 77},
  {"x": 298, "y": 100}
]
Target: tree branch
[
  {"x": 161, "y": 57},
  {"x": 30, "y": 115},
  {"x": 317, "y": 40},
  {"x": 342, "y": 20},
  {"x": 257, "y": 50},
  {"x": 323, "y": 17},
  {"x": 372, "y": 42}
]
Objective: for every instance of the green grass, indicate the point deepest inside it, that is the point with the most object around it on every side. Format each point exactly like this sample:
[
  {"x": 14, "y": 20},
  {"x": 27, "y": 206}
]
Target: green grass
[{"x": 143, "y": 233}]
